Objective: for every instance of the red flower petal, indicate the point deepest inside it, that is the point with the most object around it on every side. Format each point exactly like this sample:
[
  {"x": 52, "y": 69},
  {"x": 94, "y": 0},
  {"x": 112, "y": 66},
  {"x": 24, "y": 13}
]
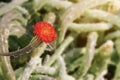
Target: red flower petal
[{"x": 45, "y": 32}]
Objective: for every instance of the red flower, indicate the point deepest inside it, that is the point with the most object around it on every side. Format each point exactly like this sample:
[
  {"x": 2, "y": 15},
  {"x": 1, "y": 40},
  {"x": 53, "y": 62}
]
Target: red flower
[{"x": 45, "y": 32}]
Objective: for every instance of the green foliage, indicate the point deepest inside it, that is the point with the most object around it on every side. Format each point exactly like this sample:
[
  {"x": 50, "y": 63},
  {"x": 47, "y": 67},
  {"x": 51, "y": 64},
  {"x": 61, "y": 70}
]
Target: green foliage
[{"x": 97, "y": 22}]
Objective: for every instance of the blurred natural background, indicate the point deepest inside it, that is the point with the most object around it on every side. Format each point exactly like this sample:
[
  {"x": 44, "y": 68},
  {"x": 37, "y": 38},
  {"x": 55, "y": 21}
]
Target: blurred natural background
[{"x": 87, "y": 45}]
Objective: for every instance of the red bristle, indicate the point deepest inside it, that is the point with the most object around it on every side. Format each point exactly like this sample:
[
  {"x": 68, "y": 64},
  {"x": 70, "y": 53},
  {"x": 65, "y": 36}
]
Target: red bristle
[{"x": 45, "y": 32}]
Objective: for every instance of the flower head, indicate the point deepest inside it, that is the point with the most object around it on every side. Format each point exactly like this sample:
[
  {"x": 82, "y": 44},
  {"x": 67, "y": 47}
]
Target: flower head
[{"x": 45, "y": 32}]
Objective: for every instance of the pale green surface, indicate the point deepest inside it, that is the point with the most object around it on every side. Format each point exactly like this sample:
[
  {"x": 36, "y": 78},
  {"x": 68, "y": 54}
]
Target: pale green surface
[{"x": 87, "y": 43}]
